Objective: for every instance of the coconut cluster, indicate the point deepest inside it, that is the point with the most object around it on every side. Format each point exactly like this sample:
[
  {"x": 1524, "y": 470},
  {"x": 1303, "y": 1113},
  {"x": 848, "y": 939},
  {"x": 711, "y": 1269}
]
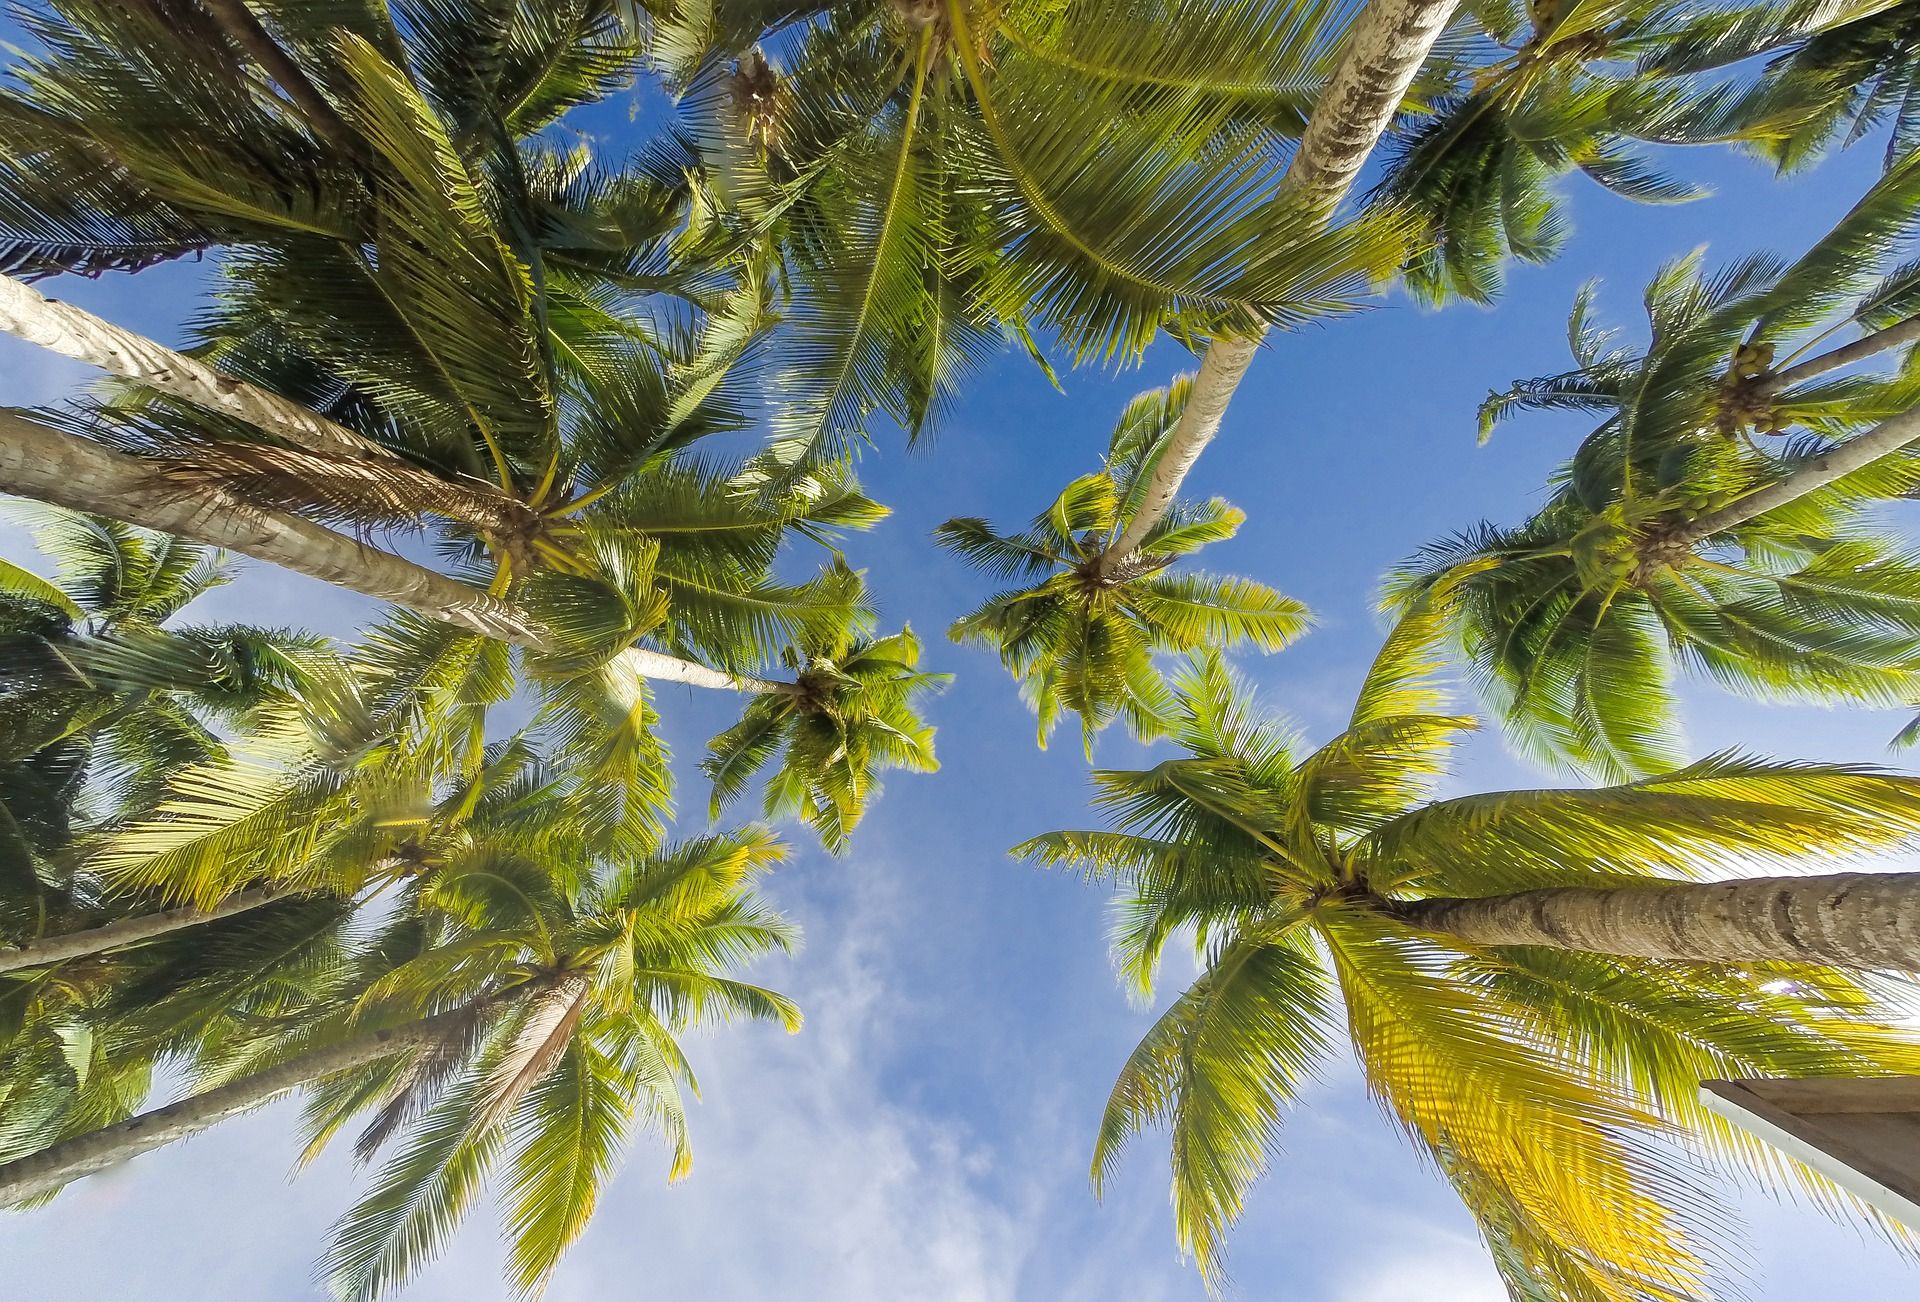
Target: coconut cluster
[{"x": 1746, "y": 396}]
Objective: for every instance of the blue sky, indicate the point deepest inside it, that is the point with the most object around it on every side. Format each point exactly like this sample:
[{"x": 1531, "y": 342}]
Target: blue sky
[{"x": 926, "y": 1136}]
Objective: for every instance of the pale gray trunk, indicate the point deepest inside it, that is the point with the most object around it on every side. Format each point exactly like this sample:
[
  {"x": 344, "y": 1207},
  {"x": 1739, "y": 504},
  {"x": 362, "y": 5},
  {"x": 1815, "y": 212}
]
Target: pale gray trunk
[
  {"x": 130, "y": 931},
  {"x": 45, "y": 464},
  {"x": 1846, "y": 920},
  {"x": 1814, "y": 473},
  {"x": 1867, "y": 345},
  {"x": 1385, "y": 48},
  {"x": 48, "y": 465},
  {"x": 78, "y": 334},
  {"x": 109, "y": 1146}
]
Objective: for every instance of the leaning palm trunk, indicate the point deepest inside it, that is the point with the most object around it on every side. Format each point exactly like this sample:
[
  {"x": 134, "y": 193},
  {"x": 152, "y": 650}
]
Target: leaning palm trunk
[
  {"x": 1897, "y": 335},
  {"x": 1389, "y": 41},
  {"x": 132, "y": 931},
  {"x": 1837, "y": 462},
  {"x": 42, "y": 463},
  {"x": 71, "y": 332},
  {"x": 83, "y": 1155},
  {"x": 1845, "y": 920},
  {"x": 335, "y": 450}
]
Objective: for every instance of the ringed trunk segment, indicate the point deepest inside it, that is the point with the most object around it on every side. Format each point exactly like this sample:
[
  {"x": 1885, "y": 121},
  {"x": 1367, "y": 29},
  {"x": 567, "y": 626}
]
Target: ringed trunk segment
[
  {"x": 43, "y": 463},
  {"x": 46, "y": 1171},
  {"x": 1843, "y": 920},
  {"x": 63, "y": 328},
  {"x": 1384, "y": 50},
  {"x": 48, "y": 465},
  {"x": 132, "y": 931},
  {"x": 1897, "y": 335}
]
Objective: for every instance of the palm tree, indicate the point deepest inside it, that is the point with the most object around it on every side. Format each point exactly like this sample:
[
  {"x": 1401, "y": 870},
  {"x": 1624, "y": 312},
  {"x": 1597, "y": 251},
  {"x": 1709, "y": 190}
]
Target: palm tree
[
  {"x": 1080, "y": 639},
  {"x": 1856, "y": 69},
  {"x": 855, "y": 714},
  {"x": 930, "y": 176},
  {"x": 1546, "y": 1082},
  {"x": 1381, "y": 52},
  {"x": 134, "y": 135},
  {"x": 539, "y": 1022},
  {"x": 1673, "y": 539}
]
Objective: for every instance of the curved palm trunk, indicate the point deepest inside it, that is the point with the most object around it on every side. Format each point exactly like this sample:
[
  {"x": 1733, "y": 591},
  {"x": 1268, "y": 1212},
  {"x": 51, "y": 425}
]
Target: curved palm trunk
[
  {"x": 131, "y": 931},
  {"x": 1815, "y": 473},
  {"x": 1388, "y": 43},
  {"x": 1846, "y": 920},
  {"x": 43, "y": 463},
  {"x": 83, "y": 1155}
]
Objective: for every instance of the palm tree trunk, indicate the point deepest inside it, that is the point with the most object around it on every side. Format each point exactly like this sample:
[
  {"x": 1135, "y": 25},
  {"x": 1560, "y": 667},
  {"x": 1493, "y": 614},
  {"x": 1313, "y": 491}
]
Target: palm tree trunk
[
  {"x": 43, "y": 463},
  {"x": 65, "y": 329},
  {"x": 245, "y": 30},
  {"x": 96, "y": 1150},
  {"x": 1878, "y": 341},
  {"x": 131, "y": 931},
  {"x": 48, "y": 465},
  {"x": 1846, "y": 920},
  {"x": 1388, "y": 43},
  {"x": 1814, "y": 473}
]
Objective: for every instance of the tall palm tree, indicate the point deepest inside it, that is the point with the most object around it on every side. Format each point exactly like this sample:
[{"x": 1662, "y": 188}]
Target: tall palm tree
[
  {"x": 534, "y": 1019},
  {"x": 929, "y": 176},
  {"x": 1856, "y": 69},
  {"x": 1080, "y": 639},
  {"x": 1381, "y": 51},
  {"x": 1546, "y": 1083},
  {"x": 1673, "y": 539}
]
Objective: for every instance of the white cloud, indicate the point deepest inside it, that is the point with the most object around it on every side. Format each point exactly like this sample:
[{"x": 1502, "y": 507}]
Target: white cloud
[{"x": 1423, "y": 1265}]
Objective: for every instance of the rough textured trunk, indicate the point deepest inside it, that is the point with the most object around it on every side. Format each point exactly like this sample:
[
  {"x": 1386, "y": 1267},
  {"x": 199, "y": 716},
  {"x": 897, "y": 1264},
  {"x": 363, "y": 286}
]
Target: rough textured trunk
[
  {"x": 1816, "y": 472},
  {"x": 131, "y": 931},
  {"x": 1894, "y": 336},
  {"x": 1847, "y": 920},
  {"x": 1389, "y": 41},
  {"x": 74, "y": 333},
  {"x": 83, "y": 1155},
  {"x": 48, "y": 465}
]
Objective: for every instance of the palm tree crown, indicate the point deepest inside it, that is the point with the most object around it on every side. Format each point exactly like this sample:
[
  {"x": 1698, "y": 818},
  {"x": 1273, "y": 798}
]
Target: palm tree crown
[
  {"x": 1542, "y": 1083},
  {"x": 1577, "y": 621},
  {"x": 1081, "y": 637}
]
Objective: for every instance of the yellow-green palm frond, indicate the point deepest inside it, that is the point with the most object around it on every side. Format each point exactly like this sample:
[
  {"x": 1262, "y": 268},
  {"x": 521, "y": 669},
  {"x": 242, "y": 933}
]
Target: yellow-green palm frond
[
  {"x": 1218, "y": 1069},
  {"x": 1581, "y": 1166},
  {"x": 1726, "y": 815}
]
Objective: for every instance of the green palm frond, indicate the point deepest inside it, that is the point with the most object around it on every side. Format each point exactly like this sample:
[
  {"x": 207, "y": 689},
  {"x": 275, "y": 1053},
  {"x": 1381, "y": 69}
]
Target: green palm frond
[
  {"x": 1080, "y": 639},
  {"x": 1218, "y": 1069}
]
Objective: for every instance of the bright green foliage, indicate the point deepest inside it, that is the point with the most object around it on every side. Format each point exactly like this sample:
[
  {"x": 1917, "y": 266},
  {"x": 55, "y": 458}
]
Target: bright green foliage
[
  {"x": 577, "y": 983},
  {"x": 853, "y": 711},
  {"x": 1856, "y": 68},
  {"x": 1578, "y": 622},
  {"x": 205, "y": 154},
  {"x": 1548, "y": 1087},
  {"x": 1553, "y": 88},
  {"x": 932, "y": 176},
  {"x": 100, "y": 702},
  {"x": 1082, "y": 639}
]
